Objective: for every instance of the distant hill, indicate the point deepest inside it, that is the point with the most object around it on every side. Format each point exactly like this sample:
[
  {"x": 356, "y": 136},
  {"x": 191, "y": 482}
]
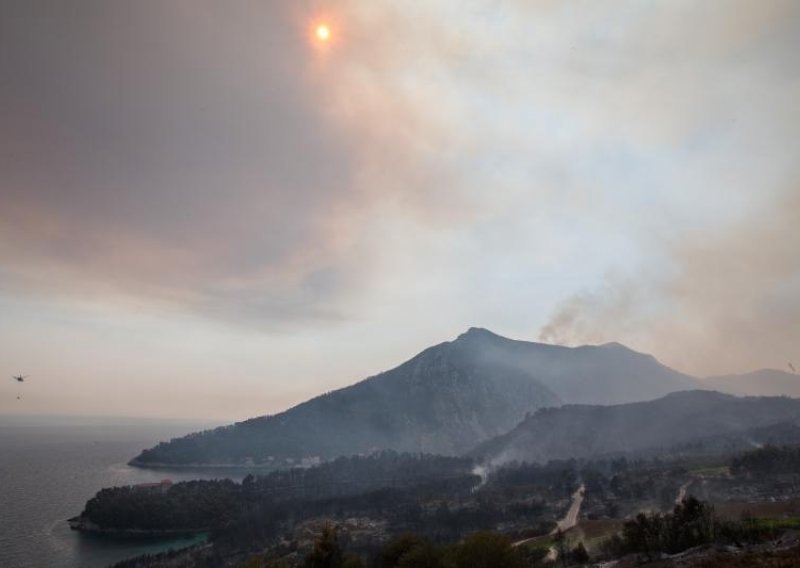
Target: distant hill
[
  {"x": 445, "y": 400},
  {"x": 764, "y": 382},
  {"x": 581, "y": 431},
  {"x": 780, "y": 434}
]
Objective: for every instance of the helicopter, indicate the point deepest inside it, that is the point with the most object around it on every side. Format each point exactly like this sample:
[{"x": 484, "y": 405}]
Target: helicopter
[{"x": 19, "y": 378}]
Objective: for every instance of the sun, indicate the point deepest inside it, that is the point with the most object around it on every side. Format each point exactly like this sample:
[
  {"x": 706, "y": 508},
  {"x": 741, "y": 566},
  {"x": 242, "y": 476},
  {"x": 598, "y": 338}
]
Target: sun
[{"x": 322, "y": 32}]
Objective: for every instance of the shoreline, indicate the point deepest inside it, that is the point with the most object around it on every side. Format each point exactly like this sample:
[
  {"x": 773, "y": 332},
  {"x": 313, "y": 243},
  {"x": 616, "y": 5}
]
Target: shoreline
[
  {"x": 83, "y": 525},
  {"x": 200, "y": 466}
]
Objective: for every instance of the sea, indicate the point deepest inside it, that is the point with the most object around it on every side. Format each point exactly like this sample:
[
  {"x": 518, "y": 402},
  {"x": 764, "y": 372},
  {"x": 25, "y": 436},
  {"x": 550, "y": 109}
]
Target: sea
[{"x": 50, "y": 467}]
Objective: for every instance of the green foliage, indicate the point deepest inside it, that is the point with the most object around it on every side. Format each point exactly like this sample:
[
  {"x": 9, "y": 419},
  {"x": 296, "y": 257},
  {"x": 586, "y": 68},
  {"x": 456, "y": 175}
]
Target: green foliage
[
  {"x": 192, "y": 505},
  {"x": 204, "y": 505},
  {"x": 691, "y": 523},
  {"x": 411, "y": 551}
]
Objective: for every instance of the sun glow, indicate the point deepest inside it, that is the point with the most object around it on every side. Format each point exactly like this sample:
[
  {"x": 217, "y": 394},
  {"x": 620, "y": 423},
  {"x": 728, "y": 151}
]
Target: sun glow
[{"x": 322, "y": 32}]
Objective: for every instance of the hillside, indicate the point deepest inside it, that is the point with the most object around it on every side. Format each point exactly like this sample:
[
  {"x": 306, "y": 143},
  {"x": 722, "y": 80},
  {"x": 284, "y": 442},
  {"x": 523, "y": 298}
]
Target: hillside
[
  {"x": 764, "y": 382},
  {"x": 580, "y": 431},
  {"x": 445, "y": 400}
]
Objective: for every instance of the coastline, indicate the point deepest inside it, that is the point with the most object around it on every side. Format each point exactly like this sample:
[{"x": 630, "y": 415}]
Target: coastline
[
  {"x": 37, "y": 497},
  {"x": 83, "y": 525},
  {"x": 201, "y": 466}
]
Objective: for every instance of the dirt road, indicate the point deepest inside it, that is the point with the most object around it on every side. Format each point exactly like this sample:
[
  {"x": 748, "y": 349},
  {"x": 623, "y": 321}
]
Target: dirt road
[{"x": 569, "y": 520}]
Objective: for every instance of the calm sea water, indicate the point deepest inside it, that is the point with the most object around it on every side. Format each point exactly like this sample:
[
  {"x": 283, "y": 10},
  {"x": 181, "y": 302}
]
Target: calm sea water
[{"x": 50, "y": 467}]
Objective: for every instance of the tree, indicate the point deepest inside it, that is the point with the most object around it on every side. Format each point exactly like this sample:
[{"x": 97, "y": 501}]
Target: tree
[
  {"x": 488, "y": 550},
  {"x": 411, "y": 551},
  {"x": 691, "y": 523},
  {"x": 579, "y": 555},
  {"x": 326, "y": 553}
]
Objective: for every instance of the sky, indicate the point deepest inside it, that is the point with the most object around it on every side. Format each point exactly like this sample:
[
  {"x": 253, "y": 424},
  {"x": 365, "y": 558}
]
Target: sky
[{"x": 207, "y": 212}]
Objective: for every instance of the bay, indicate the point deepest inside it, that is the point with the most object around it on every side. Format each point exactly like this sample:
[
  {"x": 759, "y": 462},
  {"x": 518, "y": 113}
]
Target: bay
[{"x": 50, "y": 467}]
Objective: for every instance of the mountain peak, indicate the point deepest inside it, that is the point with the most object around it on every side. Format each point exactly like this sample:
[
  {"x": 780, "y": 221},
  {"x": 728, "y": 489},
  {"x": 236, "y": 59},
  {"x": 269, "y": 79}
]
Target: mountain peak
[
  {"x": 474, "y": 333},
  {"x": 444, "y": 400}
]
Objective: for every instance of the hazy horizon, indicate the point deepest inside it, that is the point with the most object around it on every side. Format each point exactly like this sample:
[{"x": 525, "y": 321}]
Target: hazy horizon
[
  {"x": 208, "y": 211},
  {"x": 215, "y": 420}
]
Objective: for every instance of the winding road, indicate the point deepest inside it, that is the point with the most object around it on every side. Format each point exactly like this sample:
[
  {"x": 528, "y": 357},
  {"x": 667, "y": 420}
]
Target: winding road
[{"x": 569, "y": 520}]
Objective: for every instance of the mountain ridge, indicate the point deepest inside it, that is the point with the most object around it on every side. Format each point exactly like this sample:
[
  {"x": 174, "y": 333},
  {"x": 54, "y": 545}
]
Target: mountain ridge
[
  {"x": 443, "y": 400},
  {"x": 761, "y": 382},
  {"x": 585, "y": 431}
]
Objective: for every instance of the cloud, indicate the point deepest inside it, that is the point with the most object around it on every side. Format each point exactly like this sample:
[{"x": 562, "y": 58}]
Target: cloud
[
  {"x": 647, "y": 142},
  {"x": 209, "y": 159},
  {"x": 206, "y": 158},
  {"x": 177, "y": 152},
  {"x": 731, "y": 302}
]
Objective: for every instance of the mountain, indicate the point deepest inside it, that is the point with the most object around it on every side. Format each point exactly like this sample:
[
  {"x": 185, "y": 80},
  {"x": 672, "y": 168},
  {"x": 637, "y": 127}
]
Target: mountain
[
  {"x": 590, "y": 374},
  {"x": 445, "y": 400},
  {"x": 582, "y": 431},
  {"x": 764, "y": 382}
]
